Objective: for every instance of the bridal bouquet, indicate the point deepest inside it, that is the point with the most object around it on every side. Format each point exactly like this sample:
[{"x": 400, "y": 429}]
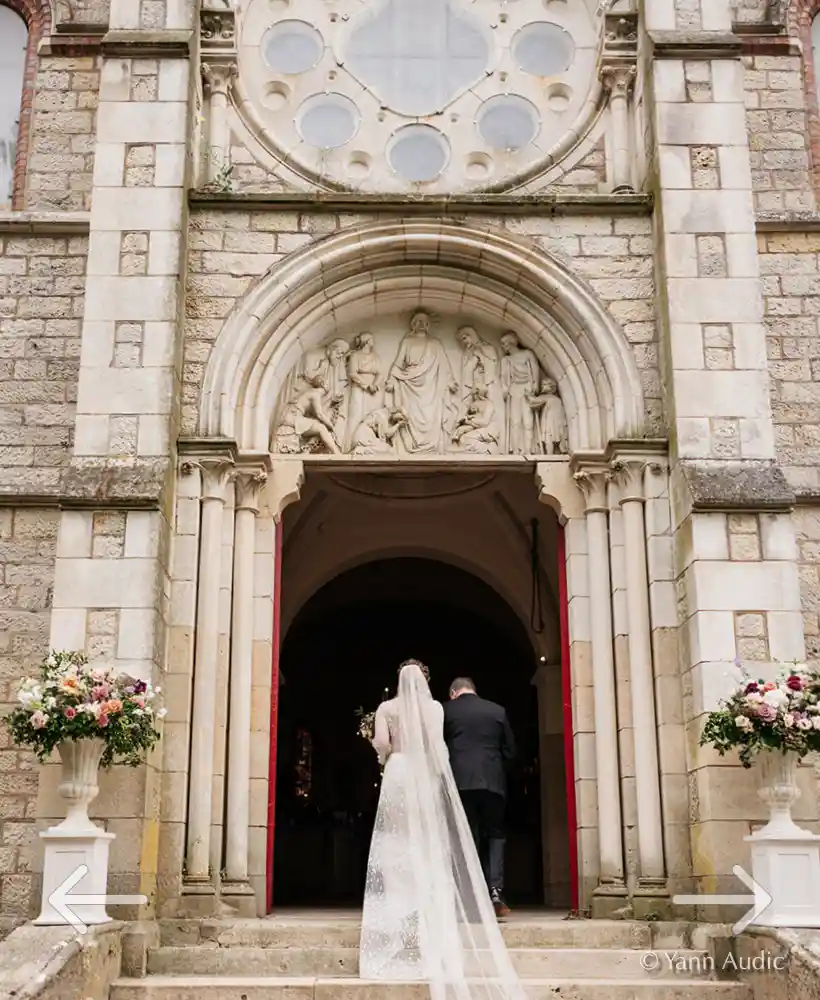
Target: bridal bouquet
[
  {"x": 367, "y": 720},
  {"x": 74, "y": 700},
  {"x": 768, "y": 715}
]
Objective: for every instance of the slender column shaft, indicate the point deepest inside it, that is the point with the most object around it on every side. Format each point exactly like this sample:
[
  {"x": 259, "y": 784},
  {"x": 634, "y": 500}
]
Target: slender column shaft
[
  {"x": 610, "y": 833},
  {"x": 205, "y": 673},
  {"x": 620, "y": 133},
  {"x": 647, "y": 772},
  {"x": 239, "y": 746}
]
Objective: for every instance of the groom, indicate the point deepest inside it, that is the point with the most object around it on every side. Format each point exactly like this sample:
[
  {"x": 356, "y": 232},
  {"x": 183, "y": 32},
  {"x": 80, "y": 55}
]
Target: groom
[{"x": 481, "y": 744}]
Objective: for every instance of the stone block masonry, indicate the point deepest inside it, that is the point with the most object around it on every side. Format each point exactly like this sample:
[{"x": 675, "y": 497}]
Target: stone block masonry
[{"x": 42, "y": 288}]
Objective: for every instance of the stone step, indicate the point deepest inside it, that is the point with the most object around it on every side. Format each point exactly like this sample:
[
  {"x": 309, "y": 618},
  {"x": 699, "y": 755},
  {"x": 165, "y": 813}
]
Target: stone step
[
  {"x": 530, "y": 963},
  {"x": 286, "y": 988},
  {"x": 278, "y": 932}
]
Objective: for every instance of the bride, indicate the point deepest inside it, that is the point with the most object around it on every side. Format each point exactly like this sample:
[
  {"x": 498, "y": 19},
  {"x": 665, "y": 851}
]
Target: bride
[{"x": 427, "y": 913}]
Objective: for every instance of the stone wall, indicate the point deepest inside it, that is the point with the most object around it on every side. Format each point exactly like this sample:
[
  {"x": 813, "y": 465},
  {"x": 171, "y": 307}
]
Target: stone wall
[
  {"x": 229, "y": 251},
  {"x": 42, "y": 284},
  {"x": 28, "y": 541},
  {"x": 60, "y": 159},
  {"x": 779, "y": 141}
]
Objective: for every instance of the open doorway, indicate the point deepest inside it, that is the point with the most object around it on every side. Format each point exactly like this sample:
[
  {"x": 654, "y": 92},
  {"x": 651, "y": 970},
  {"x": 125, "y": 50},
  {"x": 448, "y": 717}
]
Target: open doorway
[{"x": 341, "y": 652}]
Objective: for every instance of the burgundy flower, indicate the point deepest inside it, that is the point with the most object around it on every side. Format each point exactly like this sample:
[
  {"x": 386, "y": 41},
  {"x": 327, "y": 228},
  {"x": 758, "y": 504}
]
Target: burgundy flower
[
  {"x": 794, "y": 683},
  {"x": 752, "y": 687}
]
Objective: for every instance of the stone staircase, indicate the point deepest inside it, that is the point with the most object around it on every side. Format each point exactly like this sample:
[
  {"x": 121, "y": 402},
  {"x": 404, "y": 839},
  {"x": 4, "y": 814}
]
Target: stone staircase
[{"x": 304, "y": 957}]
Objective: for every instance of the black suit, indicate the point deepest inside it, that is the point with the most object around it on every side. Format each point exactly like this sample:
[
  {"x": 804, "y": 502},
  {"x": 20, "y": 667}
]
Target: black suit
[{"x": 481, "y": 745}]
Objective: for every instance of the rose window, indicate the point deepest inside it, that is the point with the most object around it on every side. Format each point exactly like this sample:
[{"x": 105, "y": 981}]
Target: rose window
[{"x": 425, "y": 95}]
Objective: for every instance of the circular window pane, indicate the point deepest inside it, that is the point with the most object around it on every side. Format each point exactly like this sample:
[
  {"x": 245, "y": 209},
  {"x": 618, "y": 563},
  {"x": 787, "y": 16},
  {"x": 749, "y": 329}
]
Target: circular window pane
[
  {"x": 292, "y": 47},
  {"x": 328, "y": 120},
  {"x": 508, "y": 123},
  {"x": 543, "y": 49},
  {"x": 418, "y": 153}
]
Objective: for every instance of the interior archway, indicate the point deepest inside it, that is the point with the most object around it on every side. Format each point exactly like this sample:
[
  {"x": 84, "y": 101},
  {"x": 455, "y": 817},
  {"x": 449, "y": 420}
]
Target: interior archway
[{"x": 341, "y": 652}]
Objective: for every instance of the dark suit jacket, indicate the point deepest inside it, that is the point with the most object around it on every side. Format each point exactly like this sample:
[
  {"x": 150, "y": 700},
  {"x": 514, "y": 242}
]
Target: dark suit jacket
[{"x": 481, "y": 744}]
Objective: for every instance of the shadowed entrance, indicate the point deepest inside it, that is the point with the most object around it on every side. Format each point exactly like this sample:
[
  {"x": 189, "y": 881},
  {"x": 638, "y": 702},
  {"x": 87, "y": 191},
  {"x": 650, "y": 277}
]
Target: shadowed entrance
[{"x": 341, "y": 652}]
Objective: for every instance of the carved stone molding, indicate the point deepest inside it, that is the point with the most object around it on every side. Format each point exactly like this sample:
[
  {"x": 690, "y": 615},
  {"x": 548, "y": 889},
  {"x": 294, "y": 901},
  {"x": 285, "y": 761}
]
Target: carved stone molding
[
  {"x": 249, "y": 484},
  {"x": 217, "y": 28},
  {"x": 628, "y": 473},
  {"x": 218, "y": 76},
  {"x": 619, "y": 79},
  {"x": 619, "y": 45},
  {"x": 216, "y": 472},
  {"x": 287, "y": 479}
]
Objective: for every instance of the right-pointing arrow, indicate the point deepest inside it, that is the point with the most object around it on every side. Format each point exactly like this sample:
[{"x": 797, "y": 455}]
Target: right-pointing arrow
[{"x": 758, "y": 902}]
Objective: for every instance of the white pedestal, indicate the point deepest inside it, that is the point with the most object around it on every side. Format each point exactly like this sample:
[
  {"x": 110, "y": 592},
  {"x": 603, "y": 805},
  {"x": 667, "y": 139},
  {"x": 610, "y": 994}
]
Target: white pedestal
[
  {"x": 66, "y": 850},
  {"x": 788, "y": 868}
]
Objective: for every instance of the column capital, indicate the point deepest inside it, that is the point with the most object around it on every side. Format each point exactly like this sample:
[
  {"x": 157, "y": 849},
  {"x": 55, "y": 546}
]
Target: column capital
[
  {"x": 592, "y": 482},
  {"x": 218, "y": 75},
  {"x": 618, "y": 79},
  {"x": 216, "y": 471},
  {"x": 618, "y": 57},
  {"x": 628, "y": 474},
  {"x": 249, "y": 483}
]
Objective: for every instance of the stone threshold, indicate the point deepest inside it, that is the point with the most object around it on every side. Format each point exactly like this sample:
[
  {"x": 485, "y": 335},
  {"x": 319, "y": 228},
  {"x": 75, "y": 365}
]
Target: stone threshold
[
  {"x": 46, "y": 223},
  {"x": 503, "y": 204}
]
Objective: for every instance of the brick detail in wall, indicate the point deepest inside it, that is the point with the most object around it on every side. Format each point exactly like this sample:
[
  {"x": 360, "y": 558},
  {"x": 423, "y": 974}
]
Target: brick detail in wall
[{"x": 36, "y": 14}]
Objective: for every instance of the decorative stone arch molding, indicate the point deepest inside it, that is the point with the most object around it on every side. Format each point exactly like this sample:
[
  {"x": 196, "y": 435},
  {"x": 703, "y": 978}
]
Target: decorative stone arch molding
[{"x": 356, "y": 275}]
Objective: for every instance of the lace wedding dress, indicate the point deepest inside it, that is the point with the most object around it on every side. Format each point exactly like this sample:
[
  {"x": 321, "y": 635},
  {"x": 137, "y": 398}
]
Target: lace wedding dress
[{"x": 427, "y": 914}]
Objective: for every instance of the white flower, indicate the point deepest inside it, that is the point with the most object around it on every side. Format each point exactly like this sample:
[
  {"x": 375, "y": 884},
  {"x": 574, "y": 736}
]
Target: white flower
[
  {"x": 816, "y": 722},
  {"x": 777, "y": 699},
  {"x": 754, "y": 698},
  {"x": 161, "y": 713},
  {"x": 788, "y": 720},
  {"x": 742, "y": 722},
  {"x": 804, "y": 724}
]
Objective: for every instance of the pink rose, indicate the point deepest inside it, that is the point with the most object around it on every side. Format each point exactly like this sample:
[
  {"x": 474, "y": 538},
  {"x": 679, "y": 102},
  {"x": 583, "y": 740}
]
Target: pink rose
[
  {"x": 102, "y": 722},
  {"x": 139, "y": 702},
  {"x": 70, "y": 712},
  {"x": 768, "y": 713},
  {"x": 38, "y": 720},
  {"x": 100, "y": 693}
]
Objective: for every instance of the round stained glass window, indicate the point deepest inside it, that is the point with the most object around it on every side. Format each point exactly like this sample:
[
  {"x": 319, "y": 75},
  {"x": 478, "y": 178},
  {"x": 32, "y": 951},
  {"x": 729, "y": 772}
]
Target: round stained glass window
[
  {"x": 328, "y": 121},
  {"x": 507, "y": 122},
  {"x": 418, "y": 153},
  {"x": 543, "y": 49},
  {"x": 292, "y": 47}
]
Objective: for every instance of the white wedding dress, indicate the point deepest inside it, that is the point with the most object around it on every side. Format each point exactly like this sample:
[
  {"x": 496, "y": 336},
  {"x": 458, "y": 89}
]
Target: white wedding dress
[{"x": 427, "y": 914}]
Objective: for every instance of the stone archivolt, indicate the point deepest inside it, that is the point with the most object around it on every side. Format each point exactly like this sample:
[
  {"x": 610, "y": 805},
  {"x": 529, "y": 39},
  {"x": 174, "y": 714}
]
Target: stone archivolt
[{"x": 344, "y": 398}]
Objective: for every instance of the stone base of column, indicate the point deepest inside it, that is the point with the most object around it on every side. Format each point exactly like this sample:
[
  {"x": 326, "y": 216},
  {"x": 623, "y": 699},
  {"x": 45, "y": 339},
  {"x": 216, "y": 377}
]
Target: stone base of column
[
  {"x": 651, "y": 899},
  {"x": 198, "y": 898},
  {"x": 240, "y": 897},
  {"x": 788, "y": 869},
  {"x": 610, "y": 901}
]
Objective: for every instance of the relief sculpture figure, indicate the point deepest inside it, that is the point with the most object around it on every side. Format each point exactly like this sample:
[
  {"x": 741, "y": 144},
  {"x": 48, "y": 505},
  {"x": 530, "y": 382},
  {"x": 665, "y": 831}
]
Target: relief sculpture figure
[
  {"x": 305, "y": 422},
  {"x": 364, "y": 379},
  {"x": 551, "y": 420},
  {"x": 479, "y": 364},
  {"x": 520, "y": 375},
  {"x": 423, "y": 387},
  {"x": 376, "y": 434},
  {"x": 479, "y": 430}
]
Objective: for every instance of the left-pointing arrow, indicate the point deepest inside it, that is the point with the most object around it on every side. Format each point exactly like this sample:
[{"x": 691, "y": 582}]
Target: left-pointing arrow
[{"x": 62, "y": 900}]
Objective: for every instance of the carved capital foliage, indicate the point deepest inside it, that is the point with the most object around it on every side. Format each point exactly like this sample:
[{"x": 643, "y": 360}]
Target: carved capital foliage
[
  {"x": 249, "y": 484},
  {"x": 217, "y": 27},
  {"x": 628, "y": 474},
  {"x": 618, "y": 57},
  {"x": 218, "y": 76},
  {"x": 593, "y": 484},
  {"x": 215, "y": 471}
]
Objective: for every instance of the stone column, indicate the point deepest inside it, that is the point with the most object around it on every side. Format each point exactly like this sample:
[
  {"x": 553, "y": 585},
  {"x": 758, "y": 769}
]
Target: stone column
[
  {"x": 248, "y": 486},
  {"x": 593, "y": 483},
  {"x": 652, "y": 873},
  {"x": 215, "y": 472},
  {"x": 617, "y": 69},
  {"x": 217, "y": 77}
]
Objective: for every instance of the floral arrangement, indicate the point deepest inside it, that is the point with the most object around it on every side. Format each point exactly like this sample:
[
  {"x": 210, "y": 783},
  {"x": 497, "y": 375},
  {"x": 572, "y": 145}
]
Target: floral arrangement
[
  {"x": 74, "y": 700},
  {"x": 367, "y": 720},
  {"x": 783, "y": 715}
]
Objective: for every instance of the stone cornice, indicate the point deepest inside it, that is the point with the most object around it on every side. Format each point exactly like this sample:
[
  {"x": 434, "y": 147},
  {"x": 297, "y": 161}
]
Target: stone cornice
[
  {"x": 45, "y": 223},
  {"x": 695, "y": 45},
  {"x": 786, "y": 222},
  {"x": 735, "y": 485},
  {"x": 322, "y": 201},
  {"x": 64, "y": 501},
  {"x": 141, "y": 44},
  {"x": 74, "y": 40}
]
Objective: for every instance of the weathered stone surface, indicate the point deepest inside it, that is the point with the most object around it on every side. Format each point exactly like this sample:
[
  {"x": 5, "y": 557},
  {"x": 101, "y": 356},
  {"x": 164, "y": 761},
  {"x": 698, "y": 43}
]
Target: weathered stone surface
[{"x": 737, "y": 485}]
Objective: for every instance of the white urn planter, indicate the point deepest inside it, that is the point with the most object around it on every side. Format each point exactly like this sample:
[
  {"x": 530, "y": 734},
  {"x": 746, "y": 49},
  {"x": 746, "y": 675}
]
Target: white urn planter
[
  {"x": 80, "y": 767},
  {"x": 75, "y": 864},
  {"x": 785, "y": 858}
]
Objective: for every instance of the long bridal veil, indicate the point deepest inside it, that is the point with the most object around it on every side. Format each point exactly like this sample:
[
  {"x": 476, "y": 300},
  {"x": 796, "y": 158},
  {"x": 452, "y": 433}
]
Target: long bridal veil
[{"x": 427, "y": 913}]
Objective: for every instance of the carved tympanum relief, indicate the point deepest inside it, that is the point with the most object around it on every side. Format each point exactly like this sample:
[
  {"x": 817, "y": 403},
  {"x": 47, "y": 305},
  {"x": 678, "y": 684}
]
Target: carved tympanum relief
[{"x": 417, "y": 390}]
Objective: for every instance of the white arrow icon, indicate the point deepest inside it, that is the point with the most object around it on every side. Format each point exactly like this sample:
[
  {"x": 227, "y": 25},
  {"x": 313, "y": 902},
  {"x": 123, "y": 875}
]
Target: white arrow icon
[
  {"x": 61, "y": 900},
  {"x": 758, "y": 902}
]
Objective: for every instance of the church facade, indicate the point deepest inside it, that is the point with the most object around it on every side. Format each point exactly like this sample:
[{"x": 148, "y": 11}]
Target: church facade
[{"x": 326, "y": 320}]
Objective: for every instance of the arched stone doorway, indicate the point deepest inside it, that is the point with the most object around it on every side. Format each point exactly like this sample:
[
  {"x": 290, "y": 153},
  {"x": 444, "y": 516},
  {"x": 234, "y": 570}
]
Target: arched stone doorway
[{"x": 341, "y": 652}]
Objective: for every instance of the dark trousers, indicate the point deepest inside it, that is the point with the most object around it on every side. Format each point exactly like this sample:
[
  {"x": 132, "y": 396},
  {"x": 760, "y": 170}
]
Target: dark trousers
[{"x": 485, "y": 814}]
